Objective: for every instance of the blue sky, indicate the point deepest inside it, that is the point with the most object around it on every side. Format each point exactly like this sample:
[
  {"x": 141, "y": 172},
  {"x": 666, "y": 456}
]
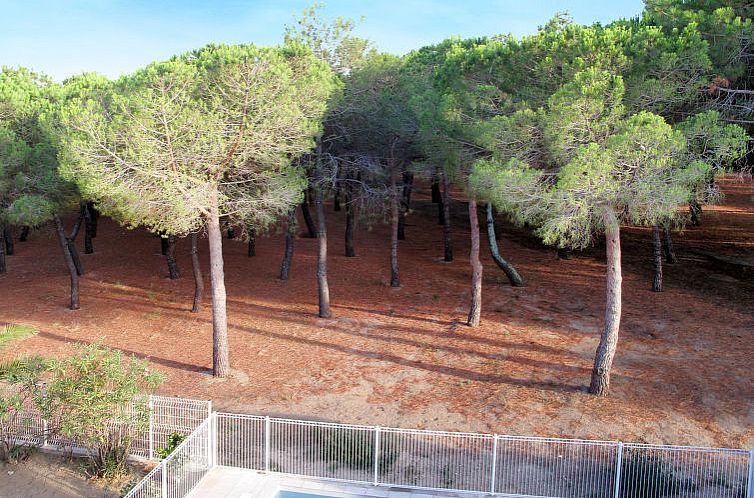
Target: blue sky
[{"x": 66, "y": 37}]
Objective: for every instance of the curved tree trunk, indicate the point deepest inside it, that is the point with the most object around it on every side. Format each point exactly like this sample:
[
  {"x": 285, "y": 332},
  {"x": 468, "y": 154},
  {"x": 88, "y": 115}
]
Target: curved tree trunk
[
  {"x": 88, "y": 228},
  {"x": 695, "y": 209},
  {"x": 95, "y": 218},
  {"x": 395, "y": 280},
  {"x": 657, "y": 257},
  {"x": 603, "y": 360},
  {"x": 65, "y": 246},
  {"x": 447, "y": 233},
  {"x": 170, "y": 257},
  {"x": 475, "y": 312},
  {"x": 408, "y": 184},
  {"x": 670, "y": 257},
  {"x": 308, "y": 220},
  {"x": 350, "y": 251},
  {"x": 290, "y": 234},
  {"x": 8, "y": 236},
  {"x": 220, "y": 354},
  {"x": 251, "y": 250},
  {"x": 322, "y": 286},
  {"x": 197, "y": 270},
  {"x": 24, "y": 233},
  {"x": 510, "y": 271},
  {"x": 71, "y": 239}
]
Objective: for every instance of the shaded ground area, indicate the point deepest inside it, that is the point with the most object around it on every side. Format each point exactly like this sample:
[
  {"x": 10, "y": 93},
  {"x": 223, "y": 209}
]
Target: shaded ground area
[{"x": 402, "y": 357}]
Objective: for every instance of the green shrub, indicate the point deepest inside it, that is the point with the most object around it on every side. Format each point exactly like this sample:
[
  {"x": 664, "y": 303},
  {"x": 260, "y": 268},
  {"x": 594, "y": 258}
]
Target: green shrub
[
  {"x": 12, "y": 332},
  {"x": 174, "y": 440},
  {"x": 19, "y": 391}
]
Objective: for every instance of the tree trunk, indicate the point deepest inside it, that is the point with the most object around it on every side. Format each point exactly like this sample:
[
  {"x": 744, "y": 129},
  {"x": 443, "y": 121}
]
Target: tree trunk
[
  {"x": 657, "y": 254},
  {"x": 3, "y": 267},
  {"x": 395, "y": 280},
  {"x": 197, "y": 270},
  {"x": 65, "y": 246},
  {"x": 564, "y": 253},
  {"x": 308, "y": 220},
  {"x": 475, "y": 312},
  {"x": 408, "y": 184},
  {"x": 95, "y": 218},
  {"x": 322, "y": 285},
  {"x": 8, "y": 236},
  {"x": 510, "y": 271},
  {"x": 163, "y": 244},
  {"x": 24, "y": 234},
  {"x": 75, "y": 256},
  {"x": 170, "y": 257},
  {"x": 336, "y": 195},
  {"x": 603, "y": 360},
  {"x": 88, "y": 228},
  {"x": 252, "y": 245},
  {"x": 231, "y": 233},
  {"x": 696, "y": 213},
  {"x": 220, "y": 355},
  {"x": 350, "y": 252},
  {"x": 436, "y": 195},
  {"x": 446, "y": 231},
  {"x": 290, "y": 234},
  {"x": 668, "y": 247}
]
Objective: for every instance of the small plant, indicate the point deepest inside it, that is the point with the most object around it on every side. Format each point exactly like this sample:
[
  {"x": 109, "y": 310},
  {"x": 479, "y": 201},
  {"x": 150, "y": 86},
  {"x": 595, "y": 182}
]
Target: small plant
[
  {"x": 649, "y": 476},
  {"x": 355, "y": 449},
  {"x": 174, "y": 440},
  {"x": 12, "y": 332},
  {"x": 19, "y": 390}
]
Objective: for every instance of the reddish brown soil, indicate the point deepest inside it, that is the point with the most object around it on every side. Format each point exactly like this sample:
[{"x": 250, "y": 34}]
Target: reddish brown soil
[{"x": 403, "y": 357}]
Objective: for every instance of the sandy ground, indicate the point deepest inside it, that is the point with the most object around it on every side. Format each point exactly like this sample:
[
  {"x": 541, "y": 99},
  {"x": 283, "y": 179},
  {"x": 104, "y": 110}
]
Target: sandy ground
[{"x": 403, "y": 357}]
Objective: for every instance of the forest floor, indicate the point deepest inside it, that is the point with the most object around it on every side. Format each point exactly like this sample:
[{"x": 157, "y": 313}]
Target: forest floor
[{"x": 404, "y": 357}]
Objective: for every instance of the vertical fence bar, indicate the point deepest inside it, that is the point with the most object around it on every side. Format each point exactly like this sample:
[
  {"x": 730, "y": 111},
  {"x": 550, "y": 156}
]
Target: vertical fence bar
[
  {"x": 267, "y": 444},
  {"x": 151, "y": 427},
  {"x": 618, "y": 468},
  {"x": 751, "y": 475},
  {"x": 494, "y": 464},
  {"x": 376, "y": 455},
  {"x": 164, "y": 481},
  {"x": 45, "y": 431},
  {"x": 213, "y": 439}
]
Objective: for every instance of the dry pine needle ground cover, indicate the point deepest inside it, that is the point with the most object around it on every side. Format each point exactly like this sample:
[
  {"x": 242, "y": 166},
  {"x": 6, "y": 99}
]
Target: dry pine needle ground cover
[{"x": 403, "y": 357}]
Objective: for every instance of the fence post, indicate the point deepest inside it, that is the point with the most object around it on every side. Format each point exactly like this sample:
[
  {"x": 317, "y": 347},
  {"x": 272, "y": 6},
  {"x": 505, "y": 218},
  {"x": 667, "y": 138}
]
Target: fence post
[
  {"x": 151, "y": 427},
  {"x": 494, "y": 463},
  {"x": 213, "y": 439},
  {"x": 164, "y": 479},
  {"x": 751, "y": 475},
  {"x": 45, "y": 431},
  {"x": 376, "y": 455},
  {"x": 267, "y": 444},
  {"x": 618, "y": 469}
]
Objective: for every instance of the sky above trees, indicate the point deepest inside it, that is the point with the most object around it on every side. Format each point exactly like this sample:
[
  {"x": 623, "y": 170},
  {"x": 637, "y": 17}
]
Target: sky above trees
[{"x": 114, "y": 37}]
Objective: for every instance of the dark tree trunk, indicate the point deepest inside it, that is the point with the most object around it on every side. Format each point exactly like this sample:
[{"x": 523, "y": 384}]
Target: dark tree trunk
[
  {"x": 510, "y": 271},
  {"x": 290, "y": 234},
  {"x": 95, "y": 218},
  {"x": 220, "y": 354},
  {"x": 231, "y": 233},
  {"x": 475, "y": 312},
  {"x": 3, "y": 267},
  {"x": 350, "y": 252},
  {"x": 24, "y": 234},
  {"x": 88, "y": 229},
  {"x": 163, "y": 244},
  {"x": 657, "y": 255},
  {"x": 197, "y": 270},
  {"x": 170, "y": 257},
  {"x": 308, "y": 220},
  {"x": 436, "y": 194},
  {"x": 8, "y": 236},
  {"x": 71, "y": 240},
  {"x": 447, "y": 233},
  {"x": 252, "y": 244},
  {"x": 696, "y": 213},
  {"x": 603, "y": 360},
  {"x": 75, "y": 257},
  {"x": 668, "y": 247},
  {"x": 336, "y": 195},
  {"x": 395, "y": 280},
  {"x": 564, "y": 253},
  {"x": 322, "y": 285},
  {"x": 65, "y": 246},
  {"x": 408, "y": 184}
]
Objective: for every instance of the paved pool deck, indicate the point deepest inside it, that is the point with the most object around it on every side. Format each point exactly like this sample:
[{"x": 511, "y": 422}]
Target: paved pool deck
[{"x": 227, "y": 482}]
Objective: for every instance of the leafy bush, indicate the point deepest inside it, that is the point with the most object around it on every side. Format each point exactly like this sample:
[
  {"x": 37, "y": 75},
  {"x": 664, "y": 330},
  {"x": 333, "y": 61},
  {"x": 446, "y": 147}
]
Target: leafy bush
[
  {"x": 97, "y": 398},
  {"x": 174, "y": 440},
  {"x": 19, "y": 391},
  {"x": 12, "y": 332}
]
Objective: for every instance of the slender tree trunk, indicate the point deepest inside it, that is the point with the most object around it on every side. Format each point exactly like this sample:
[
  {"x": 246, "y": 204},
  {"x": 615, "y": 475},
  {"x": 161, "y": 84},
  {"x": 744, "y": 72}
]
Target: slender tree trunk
[
  {"x": 24, "y": 234},
  {"x": 163, "y": 244},
  {"x": 3, "y": 267},
  {"x": 395, "y": 280},
  {"x": 336, "y": 194},
  {"x": 408, "y": 184},
  {"x": 88, "y": 229},
  {"x": 510, "y": 271},
  {"x": 657, "y": 254},
  {"x": 668, "y": 247},
  {"x": 197, "y": 270},
  {"x": 170, "y": 257},
  {"x": 322, "y": 285},
  {"x": 350, "y": 252},
  {"x": 308, "y": 220},
  {"x": 75, "y": 256},
  {"x": 436, "y": 194},
  {"x": 8, "y": 236},
  {"x": 603, "y": 360},
  {"x": 252, "y": 245},
  {"x": 95, "y": 218},
  {"x": 447, "y": 233},
  {"x": 696, "y": 213},
  {"x": 290, "y": 234},
  {"x": 65, "y": 246},
  {"x": 475, "y": 312},
  {"x": 220, "y": 354}
]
